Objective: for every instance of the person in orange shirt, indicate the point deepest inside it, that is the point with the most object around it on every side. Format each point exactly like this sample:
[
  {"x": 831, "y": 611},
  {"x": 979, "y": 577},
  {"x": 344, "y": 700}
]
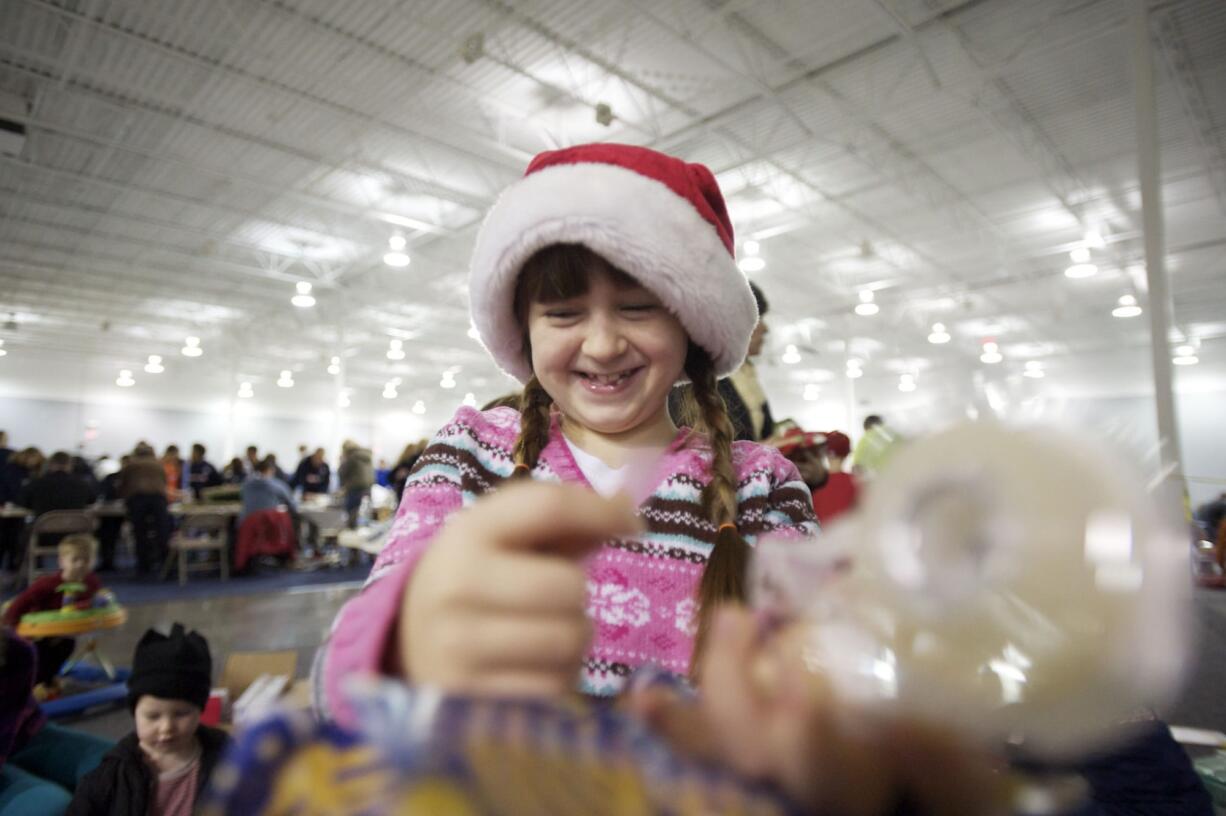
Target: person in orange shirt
[{"x": 173, "y": 466}]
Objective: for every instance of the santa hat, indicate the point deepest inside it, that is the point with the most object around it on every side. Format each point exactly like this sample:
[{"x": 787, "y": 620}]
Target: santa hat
[
  {"x": 656, "y": 218},
  {"x": 794, "y": 439}
]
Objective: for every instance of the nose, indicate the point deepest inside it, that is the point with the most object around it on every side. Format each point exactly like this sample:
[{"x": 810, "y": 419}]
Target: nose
[{"x": 604, "y": 339}]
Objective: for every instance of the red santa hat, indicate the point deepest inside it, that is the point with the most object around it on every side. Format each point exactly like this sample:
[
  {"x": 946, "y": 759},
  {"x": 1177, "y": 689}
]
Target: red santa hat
[{"x": 655, "y": 217}]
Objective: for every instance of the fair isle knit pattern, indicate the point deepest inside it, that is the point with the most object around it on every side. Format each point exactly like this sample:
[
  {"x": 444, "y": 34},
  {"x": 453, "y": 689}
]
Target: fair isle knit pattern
[{"x": 641, "y": 591}]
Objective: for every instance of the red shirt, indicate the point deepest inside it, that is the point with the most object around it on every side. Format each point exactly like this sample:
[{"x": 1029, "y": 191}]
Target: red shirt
[
  {"x": 43, "y": 596},
  {"x": 835, "y": 497}
]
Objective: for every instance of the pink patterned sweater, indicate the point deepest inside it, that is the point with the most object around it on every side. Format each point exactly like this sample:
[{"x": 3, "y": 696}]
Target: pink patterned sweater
[{"x": 641, "y": 591}]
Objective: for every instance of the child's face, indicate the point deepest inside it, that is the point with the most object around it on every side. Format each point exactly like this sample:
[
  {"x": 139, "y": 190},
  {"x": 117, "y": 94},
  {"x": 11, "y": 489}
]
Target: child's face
[
  {"x": 165, "y": 726},
  {"x": 74, "y": 565},
  {"x": 607, "y": 357}
]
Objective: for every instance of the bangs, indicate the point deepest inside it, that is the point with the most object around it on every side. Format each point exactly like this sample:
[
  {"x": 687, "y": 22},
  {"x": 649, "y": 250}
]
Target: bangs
[{"x": 560, "y": 272}]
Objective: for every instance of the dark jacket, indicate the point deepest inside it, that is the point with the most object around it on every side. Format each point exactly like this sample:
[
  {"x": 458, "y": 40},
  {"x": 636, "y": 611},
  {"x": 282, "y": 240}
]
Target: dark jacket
[
  {"x": 57, "y": 490},
  {"x": 356, "y": 471},
  {"x": 123, "y": 783},
  {"x": 738, "y": 413},
  {"x": 311, "y": 479},
  {"x": 202, "y": 474}
]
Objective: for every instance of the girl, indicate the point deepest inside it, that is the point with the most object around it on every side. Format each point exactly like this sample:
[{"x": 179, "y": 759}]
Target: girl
[{"x": 601, "y": 279}]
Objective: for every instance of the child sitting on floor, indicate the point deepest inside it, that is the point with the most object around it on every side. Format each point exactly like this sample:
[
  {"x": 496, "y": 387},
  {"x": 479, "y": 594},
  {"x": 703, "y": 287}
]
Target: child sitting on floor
[
  {"x": 76, "y": 556},
  {"x": 162, "y": 767}
]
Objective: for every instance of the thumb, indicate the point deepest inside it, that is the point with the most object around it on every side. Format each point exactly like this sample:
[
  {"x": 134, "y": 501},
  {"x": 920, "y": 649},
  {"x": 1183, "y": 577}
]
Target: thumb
[{"x": 557, "y": 519}]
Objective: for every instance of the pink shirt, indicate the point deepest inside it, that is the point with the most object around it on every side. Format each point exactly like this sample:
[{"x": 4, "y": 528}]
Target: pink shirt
[
  {"x": 641, "y": 591},
  {"x": 176, "y": 790}
]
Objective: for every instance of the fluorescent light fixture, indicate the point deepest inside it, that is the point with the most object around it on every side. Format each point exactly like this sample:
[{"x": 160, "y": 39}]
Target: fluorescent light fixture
[
  {"x": 244, "y": 391},
  {"x": 1127, "y": 307},
  {"x": 389, "y": 392},
  {"x": 1094, "y": 239},
  {"x": 939, "y": 335},
  {"x": 866, "y": 307},
  {"x": 1081, "y": 270},
  {"x": 395, "y": 349},
  {"x": 1080, "y": 255},
  {"x": 791, "y": 355},
  {"x": 396, "y": 258},
  {"x": 154, "y": 366},
  {"x": 1034, "y": 370},
  {"x": 342, "y": 399},
  {"x": 396, "y": 243},
  {"x": 286, "y": 380},
  {"x": 303, "y": 299},
  {"x": 1184, "y": 361},
  {"x": 906, "y": 382},
  {"x": 470, "y": 399},
  {"x": 1185, "y": 351},
  {"x": 124, "y": 380},
  {"x": 991, "y": 353},
  {"x": 752, "y": 263},
  {"x": 191, "y": 347},
  {"x": 419, "y": 407}
]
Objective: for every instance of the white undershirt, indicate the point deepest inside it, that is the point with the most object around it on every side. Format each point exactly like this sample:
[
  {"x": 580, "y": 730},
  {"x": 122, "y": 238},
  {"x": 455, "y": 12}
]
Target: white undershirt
[{"x": 604, "y": 480}]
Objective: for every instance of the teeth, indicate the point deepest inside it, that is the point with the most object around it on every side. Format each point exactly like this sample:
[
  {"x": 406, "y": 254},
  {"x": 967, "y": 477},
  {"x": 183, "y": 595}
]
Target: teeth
[{"x": 608, "y": 379}]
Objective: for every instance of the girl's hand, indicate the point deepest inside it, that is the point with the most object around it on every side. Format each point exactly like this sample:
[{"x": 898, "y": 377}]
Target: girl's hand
[
  {"x": 761, "y": 713},
  {"x": 496, "y": 605}
]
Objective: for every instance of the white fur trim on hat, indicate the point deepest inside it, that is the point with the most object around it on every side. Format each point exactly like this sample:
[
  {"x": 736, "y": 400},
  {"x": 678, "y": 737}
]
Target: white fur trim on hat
[{"x": 638, "y": 225}]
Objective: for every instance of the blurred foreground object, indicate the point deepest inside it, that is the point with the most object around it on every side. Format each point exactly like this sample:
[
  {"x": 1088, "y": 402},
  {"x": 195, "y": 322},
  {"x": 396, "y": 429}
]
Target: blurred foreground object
[{"x": 1026, "y": 591}]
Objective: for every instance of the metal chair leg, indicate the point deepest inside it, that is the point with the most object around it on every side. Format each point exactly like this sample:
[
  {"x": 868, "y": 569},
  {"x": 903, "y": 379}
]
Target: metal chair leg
[{"x": 182, "y": 567}]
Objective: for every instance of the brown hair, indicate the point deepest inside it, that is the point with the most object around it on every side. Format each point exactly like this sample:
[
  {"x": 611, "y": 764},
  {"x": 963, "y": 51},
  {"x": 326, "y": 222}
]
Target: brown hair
[
  {"x": 561, "y": 271},
  {"x": 78, "y": 543}
]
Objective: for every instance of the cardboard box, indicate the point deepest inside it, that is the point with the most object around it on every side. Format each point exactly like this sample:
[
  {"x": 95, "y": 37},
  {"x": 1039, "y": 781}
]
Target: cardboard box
[{"x": 244, "y": 668}]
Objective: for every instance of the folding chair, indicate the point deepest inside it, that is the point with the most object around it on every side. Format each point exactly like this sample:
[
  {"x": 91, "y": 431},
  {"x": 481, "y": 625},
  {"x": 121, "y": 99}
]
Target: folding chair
[
  {"x": 57, "y": 523},
  {"x": 209, "y": 535}
]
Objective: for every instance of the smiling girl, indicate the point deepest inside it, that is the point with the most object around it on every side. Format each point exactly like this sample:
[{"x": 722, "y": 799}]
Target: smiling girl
[{"x": 600, "y": 280}]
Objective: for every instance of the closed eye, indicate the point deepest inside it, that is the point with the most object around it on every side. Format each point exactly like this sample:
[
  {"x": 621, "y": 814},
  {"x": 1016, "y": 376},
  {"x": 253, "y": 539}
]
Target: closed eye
[{"x": 640, "y": 308}]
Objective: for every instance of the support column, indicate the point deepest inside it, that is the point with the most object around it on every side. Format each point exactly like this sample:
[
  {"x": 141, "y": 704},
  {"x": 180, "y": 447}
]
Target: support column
[{"x": 1160, "y": 306}]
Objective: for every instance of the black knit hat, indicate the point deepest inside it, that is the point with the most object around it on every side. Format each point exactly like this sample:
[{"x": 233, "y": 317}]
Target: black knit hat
[{"x": 174, "y": 667}]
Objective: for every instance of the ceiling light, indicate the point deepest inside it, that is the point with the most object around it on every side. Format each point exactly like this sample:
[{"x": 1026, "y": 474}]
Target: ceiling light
[
  {"x": 854, "y": 372},
  {"x": 396, "y": 258},
  {"x": 991, "y": 353},
  {"x": 419, "y": 407},
  {"x": 939, "y": 335},
  {"x": 470, "y": 399},
  {"x": 303, "y": 299},
  {"x": 791, "y": 356},
  {"x": 389, "y": 392},
  {"x": 1094, "y": 238},
  {"x": 812, "y": 392},
  {"x": 191, "y": 347},
  {"x": 395, "y": 350},
  {"x": 866, "y": 307},
  {"x": 751, "y": 247},
  {"x": 1127, "y": 307},
  {"x": 396, "y": 243},
  {"x": 342, "y": 399},
  {"x": 1034, "y": 370},
  {"x": 286, "y": 380},
  {"x": 1081, "y": 270},
  {"x": 154, "y": 366},
  {"x": 1185, "y": 355},
  {"x": 125, "y": 379},
  {"x": 3, "y": 352},
  {"x": 753, "y": 263},
  {"x": 334, "y": 369},
  {"x": 906, "y": 382},
  {"x": 1185, "y": 361},
  {"x": 1080, "y": 255},
  {"x": 245, "y": 392},
  {"x": 446, "y": 382}
]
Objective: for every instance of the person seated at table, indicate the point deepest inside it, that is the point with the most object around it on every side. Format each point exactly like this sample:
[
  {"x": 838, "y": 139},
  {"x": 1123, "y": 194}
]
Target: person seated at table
[
  {"x": 235, "y": 472},
  {"x": 313, "y": 475},
  {"x": 164, "y": 764},
  {"x": 172, "y": 466},
  {"x": 200, "y": 472},
  {"x": 253, "y": 460},
  {"x": 16, "y": 471},
  {"x": 142, "y": 484},
  {"x": 57, "y": 489},
  {"x": 50, "y": 593},
  {"x": 263, "y": 529}
]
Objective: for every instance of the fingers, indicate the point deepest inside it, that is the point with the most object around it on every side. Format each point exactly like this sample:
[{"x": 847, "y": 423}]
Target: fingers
[
  {"x": 564, "y": 519},
  {"x": 506, "y": 644},
  {"x": 515, "y": 583}
]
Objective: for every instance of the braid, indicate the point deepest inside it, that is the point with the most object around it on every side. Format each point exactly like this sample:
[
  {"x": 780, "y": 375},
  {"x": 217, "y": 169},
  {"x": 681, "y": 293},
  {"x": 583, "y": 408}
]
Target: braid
[
  {"x": 723, "y": 579},
  {"x": 534, "y": 405}
]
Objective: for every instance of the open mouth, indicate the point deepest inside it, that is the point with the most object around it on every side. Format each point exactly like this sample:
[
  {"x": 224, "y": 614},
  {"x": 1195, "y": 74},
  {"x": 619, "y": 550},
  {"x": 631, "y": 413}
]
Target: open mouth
[{"x": 607, "y": 383}]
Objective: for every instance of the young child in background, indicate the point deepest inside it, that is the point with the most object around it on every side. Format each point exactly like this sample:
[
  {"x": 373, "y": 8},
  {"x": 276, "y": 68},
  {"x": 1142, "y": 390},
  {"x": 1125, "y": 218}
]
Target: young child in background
[
  {"x": 600, "y": 280},
  {"x": 76, "y": 559},
  {"x": 162, "y": 767}
]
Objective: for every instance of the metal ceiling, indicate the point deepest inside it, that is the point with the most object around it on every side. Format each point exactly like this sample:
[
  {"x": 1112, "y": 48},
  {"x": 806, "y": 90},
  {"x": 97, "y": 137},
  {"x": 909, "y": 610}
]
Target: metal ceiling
[{"x": 185, "y": 164}]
